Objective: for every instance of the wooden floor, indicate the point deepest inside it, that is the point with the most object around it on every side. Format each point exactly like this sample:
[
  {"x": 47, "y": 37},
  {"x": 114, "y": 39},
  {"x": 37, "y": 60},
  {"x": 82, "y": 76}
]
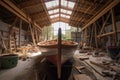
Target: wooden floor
[{"x": 38, "y": 68}]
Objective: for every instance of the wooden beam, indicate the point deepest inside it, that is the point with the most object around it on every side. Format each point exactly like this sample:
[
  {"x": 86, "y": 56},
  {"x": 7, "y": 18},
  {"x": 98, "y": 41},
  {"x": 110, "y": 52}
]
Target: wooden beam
[
  {"x": 84, "y": 2},
  {"x": 18, "y": 12},
  {"x": 79, "y": 9},
  {"x": 44, "y": 7},
  {"x": 101, "y": 13},
  {"x": 60, "y": 19},
  {"x": 114, "y": 26},
  {"x": 31, "y": 3},
  {"x": 106, "y": 34},
  {"x": 48, "y": 0},
  {"x": 60, "y": 13},
  {"x": 36, "y": 14},
  {"x": 24, "y": 6}
]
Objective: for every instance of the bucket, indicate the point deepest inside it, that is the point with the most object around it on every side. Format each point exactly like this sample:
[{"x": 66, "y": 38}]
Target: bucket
[
  {"x": 8, "y": 61},
  {"x": 113, "y": 51}
]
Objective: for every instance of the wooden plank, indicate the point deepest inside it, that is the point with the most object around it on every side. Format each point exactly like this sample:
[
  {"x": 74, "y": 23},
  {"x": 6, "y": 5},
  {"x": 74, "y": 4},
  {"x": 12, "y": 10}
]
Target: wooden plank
[{"x": 101, "y": 13}]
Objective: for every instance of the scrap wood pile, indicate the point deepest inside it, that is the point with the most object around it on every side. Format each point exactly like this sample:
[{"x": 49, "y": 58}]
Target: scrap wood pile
[{"x": 24, "y": 52}]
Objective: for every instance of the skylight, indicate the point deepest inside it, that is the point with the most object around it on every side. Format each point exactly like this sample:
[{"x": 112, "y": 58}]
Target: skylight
[
  {"x": 71, "y": 5},
  {"x": 65, "y": 16},
  {"x": 69, "y": 12},
  {"x": 65, "y": 13},
  {"x": 53, "y": 11},
  {"x": 67, "y": 4},
  {"x": 52, "y": 4},
  {"x": 53, "y": 16}
]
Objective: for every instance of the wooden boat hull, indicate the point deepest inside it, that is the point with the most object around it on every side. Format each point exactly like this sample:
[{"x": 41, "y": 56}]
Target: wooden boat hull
[{"x": 51, "y": 53}]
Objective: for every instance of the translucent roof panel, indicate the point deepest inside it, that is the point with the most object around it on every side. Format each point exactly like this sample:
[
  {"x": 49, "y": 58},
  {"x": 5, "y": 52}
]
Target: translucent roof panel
[
  {"x": 65, "y": 16},
  {"x": 53, "y": 16},
  {"x": 53, "y": 11},
  {"x": 63, "y": 10},
  {"x": 69, "y": 12},
  {"x": 66, "y": 11},
  {"x": 52, "y": 4},
  {"x": 64, "y": 3},
  {"x": 71, "y": 4},
  {"x": 67, "y": 4}
]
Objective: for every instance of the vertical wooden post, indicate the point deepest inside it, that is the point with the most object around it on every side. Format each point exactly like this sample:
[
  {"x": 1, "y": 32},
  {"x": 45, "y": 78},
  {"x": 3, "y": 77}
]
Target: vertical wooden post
[
  {"x": 39, "y": 36},
  {"x": 32, "y": 34},
  {"x": 91, "y": 36},
  {"x": 96, "y": 41},
  {"x": 114, "y": 26},
  {"x": 20, "y": 27},
  {"x": 36, "y": 33}
]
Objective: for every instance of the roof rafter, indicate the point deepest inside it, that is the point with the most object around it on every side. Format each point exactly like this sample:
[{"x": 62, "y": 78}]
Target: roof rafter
[
  {"x": 29, "y": 3},
  {"x": 79, "y": 9},
  {"x": 14, "y": 9},
  {"x": 101, "y": 13},
  {"x": 60, "y": 13},
  {"x": 61, "y": 19}
]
